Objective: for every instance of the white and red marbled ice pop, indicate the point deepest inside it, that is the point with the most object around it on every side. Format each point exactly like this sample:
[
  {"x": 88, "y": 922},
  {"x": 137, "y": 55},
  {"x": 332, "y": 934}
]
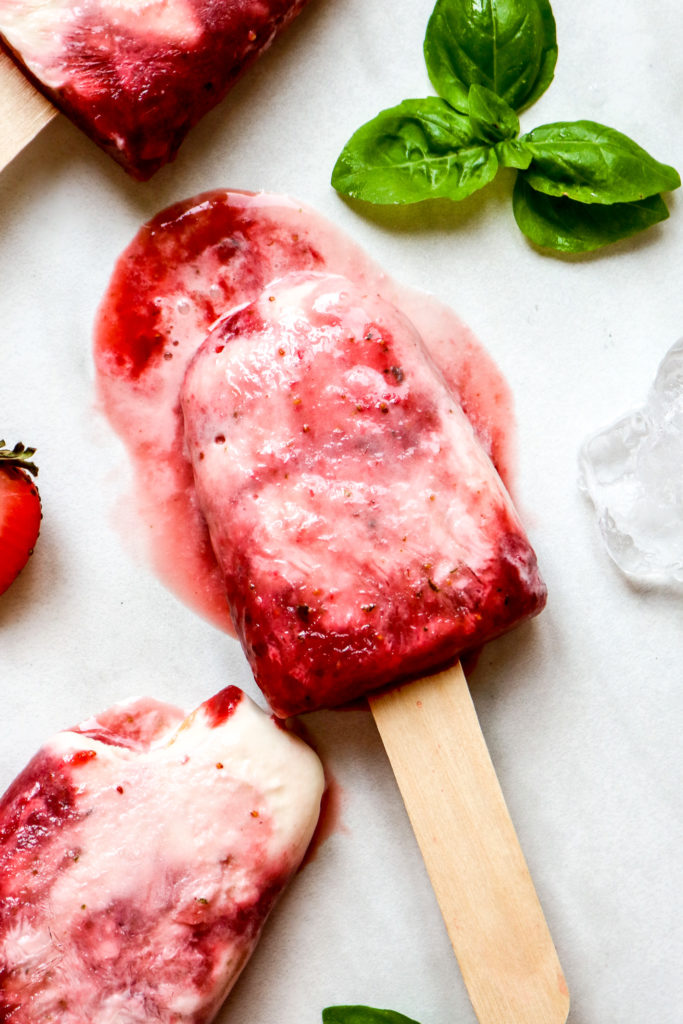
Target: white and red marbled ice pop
[
  {"x": 140, "y": 854},
  {"x": 136, "y": 75},
  {"x": 363, "y": 533}
]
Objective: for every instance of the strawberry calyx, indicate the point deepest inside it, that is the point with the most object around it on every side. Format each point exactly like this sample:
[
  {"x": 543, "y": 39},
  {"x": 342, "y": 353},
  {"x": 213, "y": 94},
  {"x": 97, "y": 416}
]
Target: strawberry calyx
[{"x": 20, "y": 456}]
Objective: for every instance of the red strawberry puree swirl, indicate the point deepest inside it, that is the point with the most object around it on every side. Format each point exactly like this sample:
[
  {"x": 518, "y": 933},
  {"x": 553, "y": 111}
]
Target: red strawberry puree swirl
[{"x": 187, "y": 267}]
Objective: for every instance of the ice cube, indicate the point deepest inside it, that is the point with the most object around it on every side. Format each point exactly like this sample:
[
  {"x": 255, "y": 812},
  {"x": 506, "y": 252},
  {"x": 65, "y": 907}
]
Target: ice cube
[{"x": 633, "y": 473}]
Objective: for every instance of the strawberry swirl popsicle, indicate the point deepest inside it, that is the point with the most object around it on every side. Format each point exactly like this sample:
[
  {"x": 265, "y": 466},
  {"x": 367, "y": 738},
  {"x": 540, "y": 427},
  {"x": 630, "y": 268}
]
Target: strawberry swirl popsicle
[
  {"x": 140, "y": 854},
  {"x": 136, "y": 75},
  {"x": 363, "y": 534}
]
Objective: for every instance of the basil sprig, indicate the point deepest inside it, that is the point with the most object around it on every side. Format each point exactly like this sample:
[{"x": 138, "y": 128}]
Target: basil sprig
[
  {"x": 363, "y": 1015},
  {"x": 580, "y": 185}
]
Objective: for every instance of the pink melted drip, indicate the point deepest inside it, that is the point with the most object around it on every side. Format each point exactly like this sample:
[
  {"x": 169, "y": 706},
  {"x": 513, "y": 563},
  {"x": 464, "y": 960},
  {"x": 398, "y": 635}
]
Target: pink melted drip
[
  {"x": 330, "y": 820},
  {"x": 184, "y": 269}
]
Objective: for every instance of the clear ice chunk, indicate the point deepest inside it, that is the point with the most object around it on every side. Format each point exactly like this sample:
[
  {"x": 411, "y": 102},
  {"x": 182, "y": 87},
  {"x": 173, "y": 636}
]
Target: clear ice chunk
[{"x": 633, "y": 473}]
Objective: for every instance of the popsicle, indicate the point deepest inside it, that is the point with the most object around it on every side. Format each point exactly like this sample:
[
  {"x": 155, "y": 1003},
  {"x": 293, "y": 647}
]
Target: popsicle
[
  {"x": 363, "y": 534},
  {"x": 135, "y": 75},
  {"x": 366, "y": 539},
  {"x": 140, "y": 854}
]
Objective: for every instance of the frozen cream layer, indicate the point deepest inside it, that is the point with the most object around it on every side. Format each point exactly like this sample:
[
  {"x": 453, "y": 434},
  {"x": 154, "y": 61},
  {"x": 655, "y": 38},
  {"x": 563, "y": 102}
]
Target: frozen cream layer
[
  {"x": 140, "y": 854},
  {"x": 135, "y": 75},
  {"x": 362, "y": 531}
]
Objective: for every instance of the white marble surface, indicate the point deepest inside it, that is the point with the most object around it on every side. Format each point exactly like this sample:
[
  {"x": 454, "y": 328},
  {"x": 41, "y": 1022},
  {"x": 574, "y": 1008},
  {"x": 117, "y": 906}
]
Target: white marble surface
[{"x": 582, "y": 710}]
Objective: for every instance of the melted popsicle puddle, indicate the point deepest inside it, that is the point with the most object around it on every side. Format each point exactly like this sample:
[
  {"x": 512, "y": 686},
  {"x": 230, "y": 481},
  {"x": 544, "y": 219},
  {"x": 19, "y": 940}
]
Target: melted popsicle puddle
[{"x": 187, "y": 267}]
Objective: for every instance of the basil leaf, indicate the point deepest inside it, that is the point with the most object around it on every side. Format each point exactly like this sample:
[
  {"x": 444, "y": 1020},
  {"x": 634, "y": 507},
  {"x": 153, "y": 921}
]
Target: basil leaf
[
  {"x": 569, "y": 226},
  {"x": 492, "y": 119},
  {"x": 513, "y": 153},
  {"x": 420, "y": 149},
  {"x": 510, "y": 46},
  {"x": 593, "y": 164},
  {"x": 363, "y": 1015}
]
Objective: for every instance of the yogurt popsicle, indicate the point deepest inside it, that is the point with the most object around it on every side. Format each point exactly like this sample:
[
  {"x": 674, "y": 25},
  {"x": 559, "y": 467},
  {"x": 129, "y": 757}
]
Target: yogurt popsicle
[
  {"x": 136, "y": 75},
  {"x": 363, "y": 533},
  {"x": 140, "y": 854}
]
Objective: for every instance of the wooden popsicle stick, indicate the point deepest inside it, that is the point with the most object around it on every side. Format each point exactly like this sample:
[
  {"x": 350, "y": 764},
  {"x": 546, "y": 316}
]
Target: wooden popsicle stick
[
  {"x": 493, "y": 916},
  {"x": 23, "y": 110}
]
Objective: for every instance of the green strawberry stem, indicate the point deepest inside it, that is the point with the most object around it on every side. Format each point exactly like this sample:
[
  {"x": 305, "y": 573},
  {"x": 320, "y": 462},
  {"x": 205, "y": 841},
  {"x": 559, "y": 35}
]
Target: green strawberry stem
[{"x": 18, "y": 456}]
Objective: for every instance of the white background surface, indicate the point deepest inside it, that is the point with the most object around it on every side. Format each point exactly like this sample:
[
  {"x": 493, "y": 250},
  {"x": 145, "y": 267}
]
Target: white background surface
[{"x": 582, "y": 710}]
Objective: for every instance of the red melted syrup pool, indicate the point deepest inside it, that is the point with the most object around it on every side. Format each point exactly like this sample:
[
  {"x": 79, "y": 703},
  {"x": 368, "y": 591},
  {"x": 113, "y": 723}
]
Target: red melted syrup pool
[{"x": 190, "y": 265}]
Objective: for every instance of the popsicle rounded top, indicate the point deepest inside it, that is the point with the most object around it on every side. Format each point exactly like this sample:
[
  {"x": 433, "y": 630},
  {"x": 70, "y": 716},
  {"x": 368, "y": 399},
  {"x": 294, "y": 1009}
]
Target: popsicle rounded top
[
  {"x": 363, "y": 533},
  {"x": 140, "y": 854}
]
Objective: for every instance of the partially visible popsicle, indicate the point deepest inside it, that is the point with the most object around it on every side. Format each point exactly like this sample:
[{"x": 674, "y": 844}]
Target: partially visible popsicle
[
  {"x": 140, "y": 854},
  {"x": 363, "y": 533},
  {"x": 136, "y": 75}
]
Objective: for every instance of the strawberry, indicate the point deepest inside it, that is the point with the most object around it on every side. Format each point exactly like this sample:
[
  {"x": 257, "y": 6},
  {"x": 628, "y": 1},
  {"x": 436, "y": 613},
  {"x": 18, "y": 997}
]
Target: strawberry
[{"x": 20, "y": 511}]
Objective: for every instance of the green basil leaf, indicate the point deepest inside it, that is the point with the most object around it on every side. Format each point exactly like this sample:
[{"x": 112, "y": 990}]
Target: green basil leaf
[
  {"x": 594, "y": 164},
  {"x": 420, "y": 149},
  {"x": 569, "y": 226},
  {"x": 513, "y": 153},
  {"x": 509, "y": 46},
  {"x": 363, "y": 1015},
  {"x": 492, "y": 118}
]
